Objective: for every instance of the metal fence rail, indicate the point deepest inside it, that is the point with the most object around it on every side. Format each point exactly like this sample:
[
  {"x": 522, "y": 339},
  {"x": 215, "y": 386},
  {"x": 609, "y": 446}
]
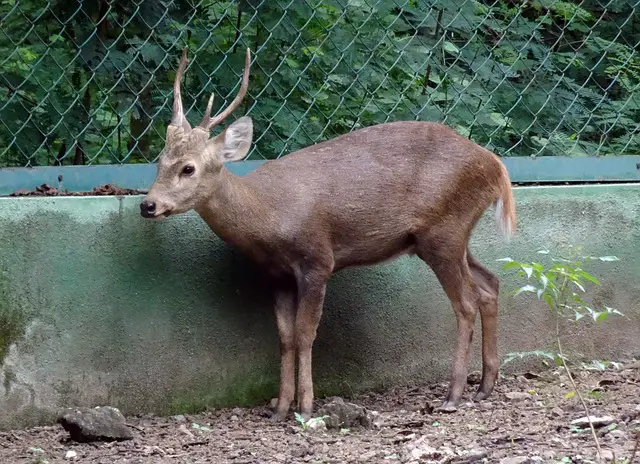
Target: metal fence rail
[{"x": 89, "y": 82}]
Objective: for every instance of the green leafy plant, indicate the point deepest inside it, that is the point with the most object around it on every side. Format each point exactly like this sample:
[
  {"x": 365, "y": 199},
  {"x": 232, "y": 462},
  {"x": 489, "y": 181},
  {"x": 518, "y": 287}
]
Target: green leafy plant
[
  {"x": 562, "y": 284},
  {"x": 306, "y": 424}
]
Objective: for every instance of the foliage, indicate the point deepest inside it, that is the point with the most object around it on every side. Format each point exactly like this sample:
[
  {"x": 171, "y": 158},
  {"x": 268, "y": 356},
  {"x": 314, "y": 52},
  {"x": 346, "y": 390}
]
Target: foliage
[
  {"x": 90, "y": 82},
  {"x": 561, "y": 285},
  {"x": 313, "y": 422}
]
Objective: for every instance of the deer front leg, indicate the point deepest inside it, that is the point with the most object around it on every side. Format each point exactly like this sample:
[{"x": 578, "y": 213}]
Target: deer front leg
[
  {"x": 311, "y": 291},
  {"x": 285, "y": 309}
]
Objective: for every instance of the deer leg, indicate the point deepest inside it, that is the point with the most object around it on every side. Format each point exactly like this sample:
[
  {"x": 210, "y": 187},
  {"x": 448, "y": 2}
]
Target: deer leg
[
  {"x": 311, "y": 291},
  {"x": 455, "y": 277},
  {"x": 285, "y": 309},
  {"x": 488, "y": 286}
]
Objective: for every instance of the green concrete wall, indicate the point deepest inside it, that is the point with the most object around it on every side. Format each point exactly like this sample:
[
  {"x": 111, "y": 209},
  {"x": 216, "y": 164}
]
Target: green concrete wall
[{"x": 98, "y": 306}]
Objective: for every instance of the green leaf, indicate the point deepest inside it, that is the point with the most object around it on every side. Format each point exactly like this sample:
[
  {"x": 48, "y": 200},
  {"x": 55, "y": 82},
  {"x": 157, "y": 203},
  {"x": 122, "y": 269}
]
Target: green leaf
[
  {"x": 450, "y": 47},
  {"x": 526, "y": 288},
  {"x": 587, "y": 276},
  {"x": 527, "y": 269},
  {"x": 600, "y": 316}
]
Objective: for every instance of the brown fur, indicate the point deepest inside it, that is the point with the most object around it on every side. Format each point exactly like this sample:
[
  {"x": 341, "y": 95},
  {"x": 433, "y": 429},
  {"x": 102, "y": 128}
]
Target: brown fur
[{"x": 359, "y": 199}]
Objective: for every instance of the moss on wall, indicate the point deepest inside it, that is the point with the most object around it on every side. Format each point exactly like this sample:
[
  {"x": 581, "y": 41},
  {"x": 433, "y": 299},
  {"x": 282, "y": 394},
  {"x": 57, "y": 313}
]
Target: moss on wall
[{"x": 13, "y": 320}]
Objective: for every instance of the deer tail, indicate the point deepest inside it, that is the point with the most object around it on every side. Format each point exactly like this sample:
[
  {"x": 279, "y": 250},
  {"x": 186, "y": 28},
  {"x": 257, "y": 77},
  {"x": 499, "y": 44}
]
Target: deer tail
[{"x": 505, "y": 205}]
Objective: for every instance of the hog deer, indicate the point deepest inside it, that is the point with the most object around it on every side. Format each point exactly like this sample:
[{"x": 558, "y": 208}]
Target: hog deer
[{"x": 368, "y": 196}]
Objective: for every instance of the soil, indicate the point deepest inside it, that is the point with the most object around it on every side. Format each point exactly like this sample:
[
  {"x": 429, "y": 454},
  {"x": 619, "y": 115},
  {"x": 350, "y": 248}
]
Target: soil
[
  {"x": 526, "y": 420},
  {"x": 45, "y": 190}
]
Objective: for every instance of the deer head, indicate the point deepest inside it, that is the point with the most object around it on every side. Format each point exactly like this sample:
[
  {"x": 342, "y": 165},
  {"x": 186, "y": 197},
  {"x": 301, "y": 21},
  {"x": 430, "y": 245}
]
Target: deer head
[{"x": 191, "y": 161}]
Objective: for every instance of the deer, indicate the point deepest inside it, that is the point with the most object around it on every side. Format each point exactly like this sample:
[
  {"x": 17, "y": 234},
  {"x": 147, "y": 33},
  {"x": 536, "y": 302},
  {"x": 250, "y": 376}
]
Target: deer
[{"x": 368, "y": 196}]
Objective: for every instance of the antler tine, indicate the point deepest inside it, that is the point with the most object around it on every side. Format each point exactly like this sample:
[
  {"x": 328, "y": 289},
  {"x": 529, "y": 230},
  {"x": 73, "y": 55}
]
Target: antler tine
[
  {"x": 178, "y": 118},
  {"x": 207, "y": 122}
]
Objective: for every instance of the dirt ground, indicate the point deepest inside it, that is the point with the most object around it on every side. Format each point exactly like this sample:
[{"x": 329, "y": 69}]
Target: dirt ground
[
  {"x": 46, "y": 190},
  {"x": 526, "y": 420}
]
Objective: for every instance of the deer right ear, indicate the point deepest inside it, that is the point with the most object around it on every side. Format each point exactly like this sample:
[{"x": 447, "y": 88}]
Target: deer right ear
[{"x": 234, "y": 142}]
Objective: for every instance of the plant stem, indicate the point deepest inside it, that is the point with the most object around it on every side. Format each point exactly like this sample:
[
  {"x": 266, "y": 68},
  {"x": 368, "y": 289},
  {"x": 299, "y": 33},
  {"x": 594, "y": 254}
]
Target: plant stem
[
  {"x": 566, "y": 368},
  {"x": 584, "y": 405}
]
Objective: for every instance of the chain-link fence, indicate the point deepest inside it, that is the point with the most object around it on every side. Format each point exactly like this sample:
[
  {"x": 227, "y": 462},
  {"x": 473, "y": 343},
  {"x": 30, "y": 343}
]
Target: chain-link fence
[{"x": 90, "y": 82}]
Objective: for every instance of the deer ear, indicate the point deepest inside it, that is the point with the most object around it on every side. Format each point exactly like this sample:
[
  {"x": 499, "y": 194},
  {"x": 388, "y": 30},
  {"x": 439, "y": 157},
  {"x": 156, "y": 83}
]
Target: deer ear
[{"x": 234, "y": 142}]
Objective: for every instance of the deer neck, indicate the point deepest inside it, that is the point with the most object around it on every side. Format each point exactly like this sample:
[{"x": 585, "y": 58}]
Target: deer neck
[{"x": 231, "y": 209}]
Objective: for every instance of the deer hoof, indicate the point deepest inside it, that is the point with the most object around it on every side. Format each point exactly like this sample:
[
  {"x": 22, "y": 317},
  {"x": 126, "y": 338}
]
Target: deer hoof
[
  {"x": 480, "y": 396},
  {"x": 447, "y": 407},
  {"x": 277, "y": 417}
]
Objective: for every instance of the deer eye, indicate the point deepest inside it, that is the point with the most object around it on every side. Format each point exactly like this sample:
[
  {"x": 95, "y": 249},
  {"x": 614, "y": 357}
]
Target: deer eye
[{"x": 188, "y": 170}]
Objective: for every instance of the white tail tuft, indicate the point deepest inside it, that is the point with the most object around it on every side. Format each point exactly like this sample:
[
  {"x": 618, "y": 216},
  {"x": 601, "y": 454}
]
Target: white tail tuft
[{"x": 503, "y": 219}]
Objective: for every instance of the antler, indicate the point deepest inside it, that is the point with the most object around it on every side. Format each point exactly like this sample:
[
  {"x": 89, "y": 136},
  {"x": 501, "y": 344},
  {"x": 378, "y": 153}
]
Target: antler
[
  {"x": 207, "y": 122},
  {"x": 178, "y": 119}
]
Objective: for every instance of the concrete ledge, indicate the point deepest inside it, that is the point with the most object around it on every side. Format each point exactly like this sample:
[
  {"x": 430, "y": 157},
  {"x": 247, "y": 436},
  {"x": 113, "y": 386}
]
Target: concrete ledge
[
  {"x": 99, "y": 306},
  {"x": 140, "y": 176}
]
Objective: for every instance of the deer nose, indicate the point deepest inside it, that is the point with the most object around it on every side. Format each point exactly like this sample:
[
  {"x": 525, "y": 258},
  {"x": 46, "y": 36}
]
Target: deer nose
[{"x": 147, "y": 208}]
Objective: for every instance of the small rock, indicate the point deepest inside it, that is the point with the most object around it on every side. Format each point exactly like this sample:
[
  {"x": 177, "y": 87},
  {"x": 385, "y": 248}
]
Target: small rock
[
  {"x": 548, "y": 454},
  {"x": 557, "y": 412},
  {"x": 596, "y": 421},
  {"x": 70, "y": 455},
  {"x": 617, "y": 434},
  {"x": 376, "y": 419},
  {"x": 179, "y": 418},
  {"x": 421, "y": 451},
  {"x": 368, "y": 456},
  {"x": 607, "y": 455},
  {"x": 342, "y": 414},
  {"x": 183, "y": 428},
  {"x": 517, "y": 396},
  {"x": 474, "y": 378},
  {"x": 94, "y": 424},
  {"x": 470, "y": 457},
  {"x": 424, "y": 452},
  {"x": 316, "y": 424},
  {"x": 486, "y": 405},
  {"x": 234, "y": 418},
  {"x": 237, "y": 411},
  {"x": 515, "y": 460},
  {"x": 152, "y": 450}
]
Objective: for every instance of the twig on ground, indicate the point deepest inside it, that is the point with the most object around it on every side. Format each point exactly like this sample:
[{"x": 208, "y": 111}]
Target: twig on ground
[{"x": 139, "y": 429}]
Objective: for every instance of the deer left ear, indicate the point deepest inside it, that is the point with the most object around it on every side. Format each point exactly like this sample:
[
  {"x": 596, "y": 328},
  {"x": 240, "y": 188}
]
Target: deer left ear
[{"x": 233, "y": 143}]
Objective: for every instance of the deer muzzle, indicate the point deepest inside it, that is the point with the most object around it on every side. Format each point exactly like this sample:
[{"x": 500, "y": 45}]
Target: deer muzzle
[{"x": 150, "y": 210}]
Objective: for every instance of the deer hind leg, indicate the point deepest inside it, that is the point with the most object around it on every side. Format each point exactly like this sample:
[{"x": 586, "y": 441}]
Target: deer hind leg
[
  {"x": 311, "y": 291},
  {"x": 452, "y": 270},
  {"x": 285, "y": 309},
  {"x": 488, "y": 286}
]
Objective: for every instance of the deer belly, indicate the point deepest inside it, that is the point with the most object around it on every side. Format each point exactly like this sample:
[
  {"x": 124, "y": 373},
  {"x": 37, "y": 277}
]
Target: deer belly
[{"x": 365, "y": 252}]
